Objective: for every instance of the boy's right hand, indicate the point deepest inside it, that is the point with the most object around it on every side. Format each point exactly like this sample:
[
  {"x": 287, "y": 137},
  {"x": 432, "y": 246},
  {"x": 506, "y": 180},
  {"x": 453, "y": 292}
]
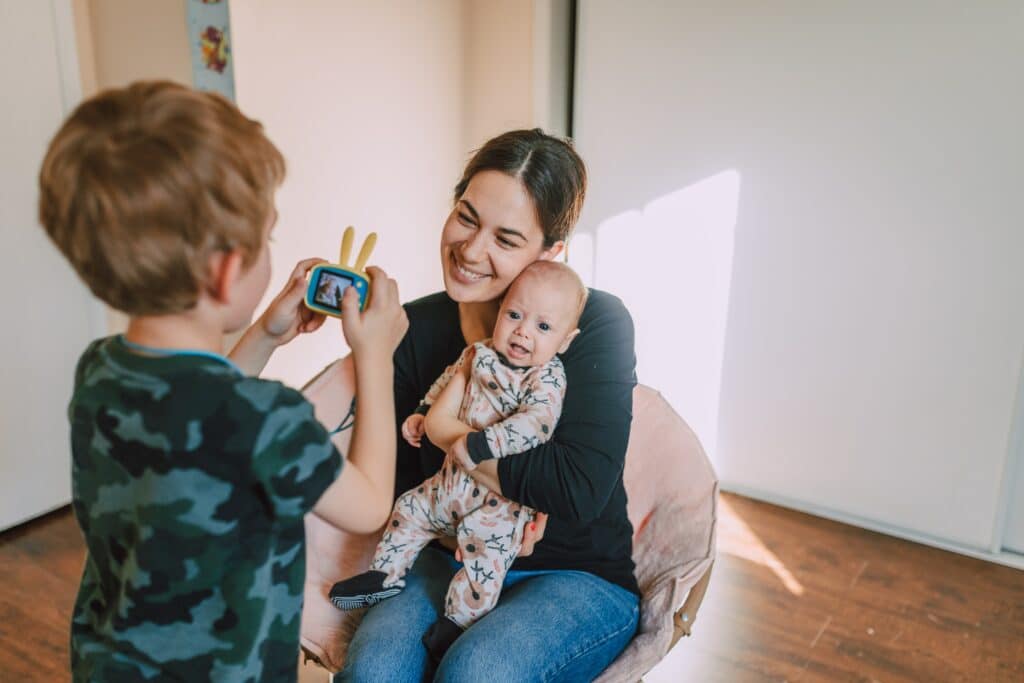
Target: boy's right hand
[
  {"x": 412, "y": 429},
  {"x": 380, "y": 327}
]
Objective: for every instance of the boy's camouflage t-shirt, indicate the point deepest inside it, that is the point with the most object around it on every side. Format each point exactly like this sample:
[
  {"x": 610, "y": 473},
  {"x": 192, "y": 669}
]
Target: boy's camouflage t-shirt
[{"x": 190, "y": 482}]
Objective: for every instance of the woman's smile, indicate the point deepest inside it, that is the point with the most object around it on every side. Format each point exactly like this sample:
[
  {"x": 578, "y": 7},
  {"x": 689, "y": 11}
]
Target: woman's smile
[{"x": 464, "y": 274}]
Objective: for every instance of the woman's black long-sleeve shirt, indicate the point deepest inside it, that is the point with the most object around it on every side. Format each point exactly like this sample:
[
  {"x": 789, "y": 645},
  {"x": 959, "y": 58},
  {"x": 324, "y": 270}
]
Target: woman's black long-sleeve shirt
[{"x": 575, "y": 477}]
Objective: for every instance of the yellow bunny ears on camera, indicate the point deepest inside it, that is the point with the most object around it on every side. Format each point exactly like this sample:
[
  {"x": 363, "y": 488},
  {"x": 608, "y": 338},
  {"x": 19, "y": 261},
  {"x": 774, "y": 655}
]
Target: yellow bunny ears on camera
[{"x": 328, "y": 281}]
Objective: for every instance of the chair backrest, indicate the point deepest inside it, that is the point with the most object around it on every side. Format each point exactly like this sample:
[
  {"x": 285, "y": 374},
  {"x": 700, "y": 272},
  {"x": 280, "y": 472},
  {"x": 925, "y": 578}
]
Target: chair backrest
[
  {"x": 672, "y": 491},
  {"x": 665, "y": 461}
]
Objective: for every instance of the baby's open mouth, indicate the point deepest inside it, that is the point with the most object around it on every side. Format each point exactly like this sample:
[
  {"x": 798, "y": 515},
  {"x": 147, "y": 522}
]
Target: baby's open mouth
[{"x": 518, "y": 350}]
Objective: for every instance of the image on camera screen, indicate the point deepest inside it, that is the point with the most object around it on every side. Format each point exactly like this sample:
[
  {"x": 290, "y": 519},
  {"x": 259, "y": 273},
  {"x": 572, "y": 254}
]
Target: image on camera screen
[{"x": 329, "y": 289}]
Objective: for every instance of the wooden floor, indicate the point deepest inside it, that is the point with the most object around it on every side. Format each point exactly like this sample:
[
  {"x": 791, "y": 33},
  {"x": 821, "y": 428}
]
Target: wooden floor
[{"x": 793, "y": 598}]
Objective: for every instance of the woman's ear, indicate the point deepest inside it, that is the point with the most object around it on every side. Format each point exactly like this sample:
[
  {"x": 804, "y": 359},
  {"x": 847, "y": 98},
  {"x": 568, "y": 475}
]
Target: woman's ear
[
  {"x": 225, "y": 269},
  {"x": 568, "y": 340},
  {"x": 552, "y": 252}
]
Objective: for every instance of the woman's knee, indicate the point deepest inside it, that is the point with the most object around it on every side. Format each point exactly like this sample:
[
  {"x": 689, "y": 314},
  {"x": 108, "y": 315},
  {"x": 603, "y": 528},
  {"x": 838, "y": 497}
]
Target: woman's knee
[
  {"x": 557, "y": 627},
  {"x": 469, "y": 664}
]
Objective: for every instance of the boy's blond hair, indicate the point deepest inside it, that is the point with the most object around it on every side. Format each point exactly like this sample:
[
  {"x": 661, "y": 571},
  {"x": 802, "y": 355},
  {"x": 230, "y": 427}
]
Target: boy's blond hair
[{"x": 142, "y": 184}]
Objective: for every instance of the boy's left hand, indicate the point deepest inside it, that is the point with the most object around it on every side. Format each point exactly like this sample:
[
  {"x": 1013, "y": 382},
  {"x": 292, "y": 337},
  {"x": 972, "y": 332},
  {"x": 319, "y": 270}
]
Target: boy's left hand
[{"x": 287, "y": 316}]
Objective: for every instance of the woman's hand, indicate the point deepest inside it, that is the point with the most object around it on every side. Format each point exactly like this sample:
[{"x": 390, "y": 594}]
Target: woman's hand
[
  {"x": 460, "y": 454},
  {"x": 287, "y": 317},
  {"x": 533, "y": 533}
]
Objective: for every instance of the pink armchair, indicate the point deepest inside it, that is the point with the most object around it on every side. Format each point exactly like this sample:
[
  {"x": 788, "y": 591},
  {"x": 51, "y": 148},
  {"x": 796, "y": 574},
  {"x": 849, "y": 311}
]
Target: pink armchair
[{"x": 672, "y": 492}]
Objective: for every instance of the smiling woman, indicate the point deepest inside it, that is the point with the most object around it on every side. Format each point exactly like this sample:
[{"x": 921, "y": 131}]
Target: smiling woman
[{"x": 568, "y": 608}]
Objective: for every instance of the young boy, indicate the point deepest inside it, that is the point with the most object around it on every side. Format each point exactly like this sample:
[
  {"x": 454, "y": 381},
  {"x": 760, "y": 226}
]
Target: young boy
[
  {"x": 513, "y": 395},
  {"x": 190, "y": 475}
]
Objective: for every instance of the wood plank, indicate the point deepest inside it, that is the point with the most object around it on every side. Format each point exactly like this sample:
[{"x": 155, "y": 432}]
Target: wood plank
[{"x": 793, "y": 598}]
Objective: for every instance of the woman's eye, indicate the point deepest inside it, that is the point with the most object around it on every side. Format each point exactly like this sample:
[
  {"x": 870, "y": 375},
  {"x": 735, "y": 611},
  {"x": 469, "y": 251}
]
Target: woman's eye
[
  {"x": 507, "y": 243},
  {"x": 466, "y": 220},
  {"x": 544, "y": 327}
]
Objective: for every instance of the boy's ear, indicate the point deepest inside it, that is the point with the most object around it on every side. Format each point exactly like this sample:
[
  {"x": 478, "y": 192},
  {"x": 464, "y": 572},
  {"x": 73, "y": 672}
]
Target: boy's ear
[
  {"x": 568, "y": 340},
  {"x": 225, "y": 268}
]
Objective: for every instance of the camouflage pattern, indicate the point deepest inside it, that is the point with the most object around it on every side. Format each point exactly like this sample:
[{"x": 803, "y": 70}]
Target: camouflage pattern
[{"x": 190, "y": 482}]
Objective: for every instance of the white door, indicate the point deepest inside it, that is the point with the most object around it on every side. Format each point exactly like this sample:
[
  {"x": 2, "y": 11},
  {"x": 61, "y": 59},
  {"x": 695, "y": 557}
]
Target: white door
[
  {"x": 48, "y": 316},
  {"x": 1013, "y": 533}
]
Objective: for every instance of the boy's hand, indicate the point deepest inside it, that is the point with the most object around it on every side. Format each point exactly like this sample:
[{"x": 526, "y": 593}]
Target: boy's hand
[
  {"x": 380, "y": 327},
  {"x": 286, "y": 317},
  {"x": 412, "y": 429}
]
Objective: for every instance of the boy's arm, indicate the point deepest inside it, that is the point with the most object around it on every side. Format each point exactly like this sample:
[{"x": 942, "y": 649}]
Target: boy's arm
[
  {"x": 285, "y": 318},
  {"x": 360, "y": 499},
  {"x": 528, "y": 427}
]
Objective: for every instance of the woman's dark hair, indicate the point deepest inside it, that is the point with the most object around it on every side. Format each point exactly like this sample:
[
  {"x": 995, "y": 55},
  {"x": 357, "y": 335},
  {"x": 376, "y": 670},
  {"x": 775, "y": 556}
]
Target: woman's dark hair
[{"x": 549, "y": 167}]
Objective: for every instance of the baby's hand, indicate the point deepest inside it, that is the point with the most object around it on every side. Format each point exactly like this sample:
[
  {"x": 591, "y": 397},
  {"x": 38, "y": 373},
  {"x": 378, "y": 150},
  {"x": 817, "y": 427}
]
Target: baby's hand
[
  {"x": 412, "y": 429},
  {"x": 287, "y": 316}
]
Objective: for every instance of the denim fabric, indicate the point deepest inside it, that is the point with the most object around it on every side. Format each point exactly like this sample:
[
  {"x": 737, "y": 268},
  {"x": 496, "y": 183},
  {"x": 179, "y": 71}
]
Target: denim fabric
[{"x": 548, "y": 626}]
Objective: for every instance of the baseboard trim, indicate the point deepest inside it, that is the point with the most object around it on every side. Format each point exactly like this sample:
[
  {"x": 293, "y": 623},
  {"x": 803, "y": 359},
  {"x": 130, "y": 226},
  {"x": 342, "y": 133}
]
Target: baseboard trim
[{"x": 1004, "y": 558}]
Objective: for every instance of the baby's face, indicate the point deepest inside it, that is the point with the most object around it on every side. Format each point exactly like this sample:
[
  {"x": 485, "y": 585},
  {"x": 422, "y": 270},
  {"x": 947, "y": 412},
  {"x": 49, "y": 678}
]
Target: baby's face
[{"x": 536, "y": 320}]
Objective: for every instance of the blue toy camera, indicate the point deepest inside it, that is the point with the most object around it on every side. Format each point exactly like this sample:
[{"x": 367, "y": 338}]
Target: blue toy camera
[{"x": 328, "y": 281}]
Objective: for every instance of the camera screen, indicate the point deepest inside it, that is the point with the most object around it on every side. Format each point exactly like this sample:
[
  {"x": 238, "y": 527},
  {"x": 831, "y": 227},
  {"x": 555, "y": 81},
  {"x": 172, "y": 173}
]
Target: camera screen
[{"x": 329, "y": 289}]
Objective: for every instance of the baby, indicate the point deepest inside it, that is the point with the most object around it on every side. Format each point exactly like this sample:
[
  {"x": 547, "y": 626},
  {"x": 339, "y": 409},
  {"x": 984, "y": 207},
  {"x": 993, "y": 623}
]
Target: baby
[{"x": 513, "y": 395}]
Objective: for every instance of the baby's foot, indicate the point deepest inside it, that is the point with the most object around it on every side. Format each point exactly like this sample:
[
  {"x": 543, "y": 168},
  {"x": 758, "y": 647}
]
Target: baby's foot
[
  {"x": 439, "y": 637},
  {"x": 362, "y": 590}
]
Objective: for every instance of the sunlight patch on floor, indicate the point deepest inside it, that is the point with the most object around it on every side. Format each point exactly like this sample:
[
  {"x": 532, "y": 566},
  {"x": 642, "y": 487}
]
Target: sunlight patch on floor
[{"x": 736, "y": 538}]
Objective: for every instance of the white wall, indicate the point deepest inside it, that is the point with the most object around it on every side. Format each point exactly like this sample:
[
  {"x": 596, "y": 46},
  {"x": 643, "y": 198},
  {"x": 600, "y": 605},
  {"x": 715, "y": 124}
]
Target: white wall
[
  {"x": 121, "y": 41},
  {"x": 814, "y": 212},
  {"x": 50, "y": 316},
  {"x": 131, "y": 40},
  {"x": 498, "y": 68},
  {"x": 365, "y": 100}
]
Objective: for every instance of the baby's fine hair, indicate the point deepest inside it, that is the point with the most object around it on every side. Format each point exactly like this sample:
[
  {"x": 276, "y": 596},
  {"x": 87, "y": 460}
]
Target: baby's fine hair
[
  {"x": 559, "y": 275},
  {"x": 142, "y": 184}
]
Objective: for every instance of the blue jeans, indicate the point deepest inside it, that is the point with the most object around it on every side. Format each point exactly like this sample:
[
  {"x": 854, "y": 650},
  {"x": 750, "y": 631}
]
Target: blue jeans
[{"x": 548, "y": 626}]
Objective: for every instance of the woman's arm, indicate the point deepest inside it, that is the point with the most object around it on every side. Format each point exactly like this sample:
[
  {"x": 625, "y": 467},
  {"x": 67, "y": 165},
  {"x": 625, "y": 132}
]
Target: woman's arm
[
  {"x": 360, "y": 500},
  {"x": 573, "y": 475}
]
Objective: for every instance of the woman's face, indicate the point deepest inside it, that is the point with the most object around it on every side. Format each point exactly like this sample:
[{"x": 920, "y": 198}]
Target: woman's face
[{"x": 490, "y": 236}]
